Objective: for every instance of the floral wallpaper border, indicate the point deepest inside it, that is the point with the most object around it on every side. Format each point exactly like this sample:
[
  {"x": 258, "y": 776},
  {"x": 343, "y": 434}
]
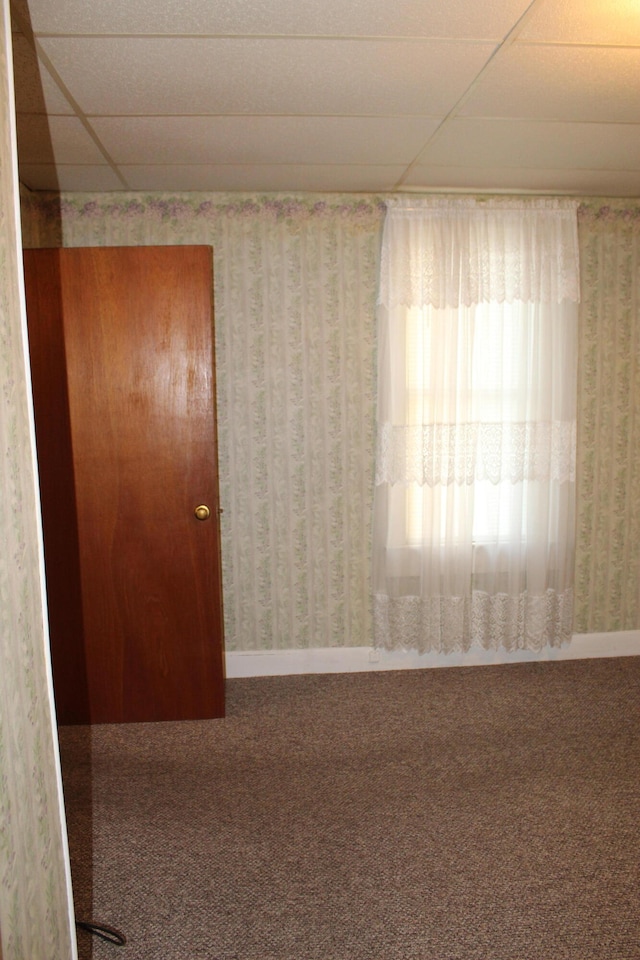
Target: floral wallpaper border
[
  {"x": 292, "y": 209},
  {"x": 609, "y": 212}
]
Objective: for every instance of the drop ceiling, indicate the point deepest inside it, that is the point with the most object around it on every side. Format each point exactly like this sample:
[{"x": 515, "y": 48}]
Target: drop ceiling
[{"x": 329, "y": 95}]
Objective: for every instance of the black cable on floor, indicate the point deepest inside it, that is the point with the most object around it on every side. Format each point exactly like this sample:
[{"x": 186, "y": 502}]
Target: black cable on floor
[{"x": 110, "y": 934}]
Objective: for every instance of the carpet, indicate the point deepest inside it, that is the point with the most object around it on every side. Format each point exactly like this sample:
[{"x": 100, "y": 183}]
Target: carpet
[{"x": 482, "y": 813}]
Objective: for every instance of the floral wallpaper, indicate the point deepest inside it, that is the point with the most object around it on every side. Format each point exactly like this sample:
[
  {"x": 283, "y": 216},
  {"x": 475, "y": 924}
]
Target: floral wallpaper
[
  {"x": 608, "y": 507},
  {"x": 35, "y": 920},
  {"x": 295, "y": 287},
  {"x": 295, "y": 290}
]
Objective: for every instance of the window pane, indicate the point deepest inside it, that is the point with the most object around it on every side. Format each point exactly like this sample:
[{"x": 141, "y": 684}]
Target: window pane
[{"x": 476, "y": 371}]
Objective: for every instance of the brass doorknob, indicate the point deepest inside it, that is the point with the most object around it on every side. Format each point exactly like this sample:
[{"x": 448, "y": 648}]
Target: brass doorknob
[{"x": 202, "y": 512}]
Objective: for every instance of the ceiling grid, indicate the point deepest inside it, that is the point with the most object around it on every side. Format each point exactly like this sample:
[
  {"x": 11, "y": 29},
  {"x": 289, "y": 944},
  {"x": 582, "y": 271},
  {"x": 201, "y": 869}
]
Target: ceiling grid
[{"x": 526, "y": 96}]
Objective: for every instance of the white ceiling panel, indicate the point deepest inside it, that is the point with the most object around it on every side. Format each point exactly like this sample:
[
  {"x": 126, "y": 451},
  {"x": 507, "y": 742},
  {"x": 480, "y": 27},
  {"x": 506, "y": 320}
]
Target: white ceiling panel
[
  {"x": 560, "y": 83},
  {"x": 94, "y": 179},
  {"x": 585, "y": 21},
  {"x": 36, "y": 92},
  {"x": 363, "y": 95},
  {"x": 470, "y": 179},
  {"x": 522, "y": 143},
  {"x": 59, "y": 139},
  {"x": 264, "y": 178},
  {"x": 340, "y": 77},
  {"x": 320, "y": 140},
  {"x": 366, "y": 18}
]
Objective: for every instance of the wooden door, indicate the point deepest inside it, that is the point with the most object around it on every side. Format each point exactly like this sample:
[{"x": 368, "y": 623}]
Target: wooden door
[{"x": 122, "y": 360}]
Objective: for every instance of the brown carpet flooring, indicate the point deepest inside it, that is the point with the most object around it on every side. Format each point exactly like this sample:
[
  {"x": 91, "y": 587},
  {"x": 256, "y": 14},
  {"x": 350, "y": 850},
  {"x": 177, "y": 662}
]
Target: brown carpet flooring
[{"x": 456, "y": 814}]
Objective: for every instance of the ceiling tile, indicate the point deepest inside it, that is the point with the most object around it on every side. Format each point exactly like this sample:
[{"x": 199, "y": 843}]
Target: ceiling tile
[
  {"x": 215, "y": 109},
  {"x": 319, "y": 140},
  {"x": 160, "y": 76},
  {"x": 409, "y": 18},
  {"x": 585, "y": 21},
  {"x": 267, "y": 178},
  {"x": 594, "y": 183},
  {"x": 535, "y": 143},
  {"x": 40, "y": 176},
  {"x": 59, "y": 139},
  {"x": 560, "y": 83},
  {"x": 36, "y": 92}
]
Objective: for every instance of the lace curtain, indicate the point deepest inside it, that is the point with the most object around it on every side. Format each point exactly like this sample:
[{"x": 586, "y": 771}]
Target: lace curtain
[{"x": 474, "y": 508}]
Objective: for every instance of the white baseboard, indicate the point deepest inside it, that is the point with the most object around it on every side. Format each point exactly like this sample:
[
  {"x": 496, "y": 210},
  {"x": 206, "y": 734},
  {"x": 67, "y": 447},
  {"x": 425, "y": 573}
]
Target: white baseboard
[{"x": 274, "y": 663}]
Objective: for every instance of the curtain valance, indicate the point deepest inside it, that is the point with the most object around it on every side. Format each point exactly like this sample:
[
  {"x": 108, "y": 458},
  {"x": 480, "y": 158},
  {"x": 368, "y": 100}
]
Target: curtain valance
[{"x": 443, "y": 252}]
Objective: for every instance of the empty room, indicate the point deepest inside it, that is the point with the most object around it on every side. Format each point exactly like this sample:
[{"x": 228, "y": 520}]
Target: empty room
[{"x": 320, "y": 480}]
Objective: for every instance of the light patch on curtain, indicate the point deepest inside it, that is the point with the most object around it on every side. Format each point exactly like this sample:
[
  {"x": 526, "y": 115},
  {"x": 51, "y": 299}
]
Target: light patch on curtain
[{"x": 492, "y": 369}]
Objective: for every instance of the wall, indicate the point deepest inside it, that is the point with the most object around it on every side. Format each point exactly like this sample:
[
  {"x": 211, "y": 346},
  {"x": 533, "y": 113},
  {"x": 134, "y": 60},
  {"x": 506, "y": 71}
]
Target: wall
[
  {"x": 35, "y": 900},
  {"x": 294, "y": 293},
  {"x": 608, "y": 515},
  {"x": 295, "y": 331}
]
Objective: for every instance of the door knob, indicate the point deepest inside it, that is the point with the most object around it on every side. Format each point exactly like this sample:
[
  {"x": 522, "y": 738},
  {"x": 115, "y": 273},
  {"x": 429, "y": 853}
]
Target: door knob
[{"x": 202, "y": 512}]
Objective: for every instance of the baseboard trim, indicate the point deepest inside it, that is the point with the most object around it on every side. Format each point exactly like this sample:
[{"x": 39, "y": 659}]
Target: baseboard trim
[{"x": 274, "y": 663}]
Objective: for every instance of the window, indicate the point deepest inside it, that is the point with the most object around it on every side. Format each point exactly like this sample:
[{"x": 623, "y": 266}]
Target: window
[{"x": 495, "y": 375}]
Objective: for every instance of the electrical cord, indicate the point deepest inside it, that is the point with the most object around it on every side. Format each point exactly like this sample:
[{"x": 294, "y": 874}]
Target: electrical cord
[{"x": 110, "y": 934}]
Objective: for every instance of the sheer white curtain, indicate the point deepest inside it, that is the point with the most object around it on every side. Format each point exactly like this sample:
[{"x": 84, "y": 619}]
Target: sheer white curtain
[{"x": 475, "y": 474}]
